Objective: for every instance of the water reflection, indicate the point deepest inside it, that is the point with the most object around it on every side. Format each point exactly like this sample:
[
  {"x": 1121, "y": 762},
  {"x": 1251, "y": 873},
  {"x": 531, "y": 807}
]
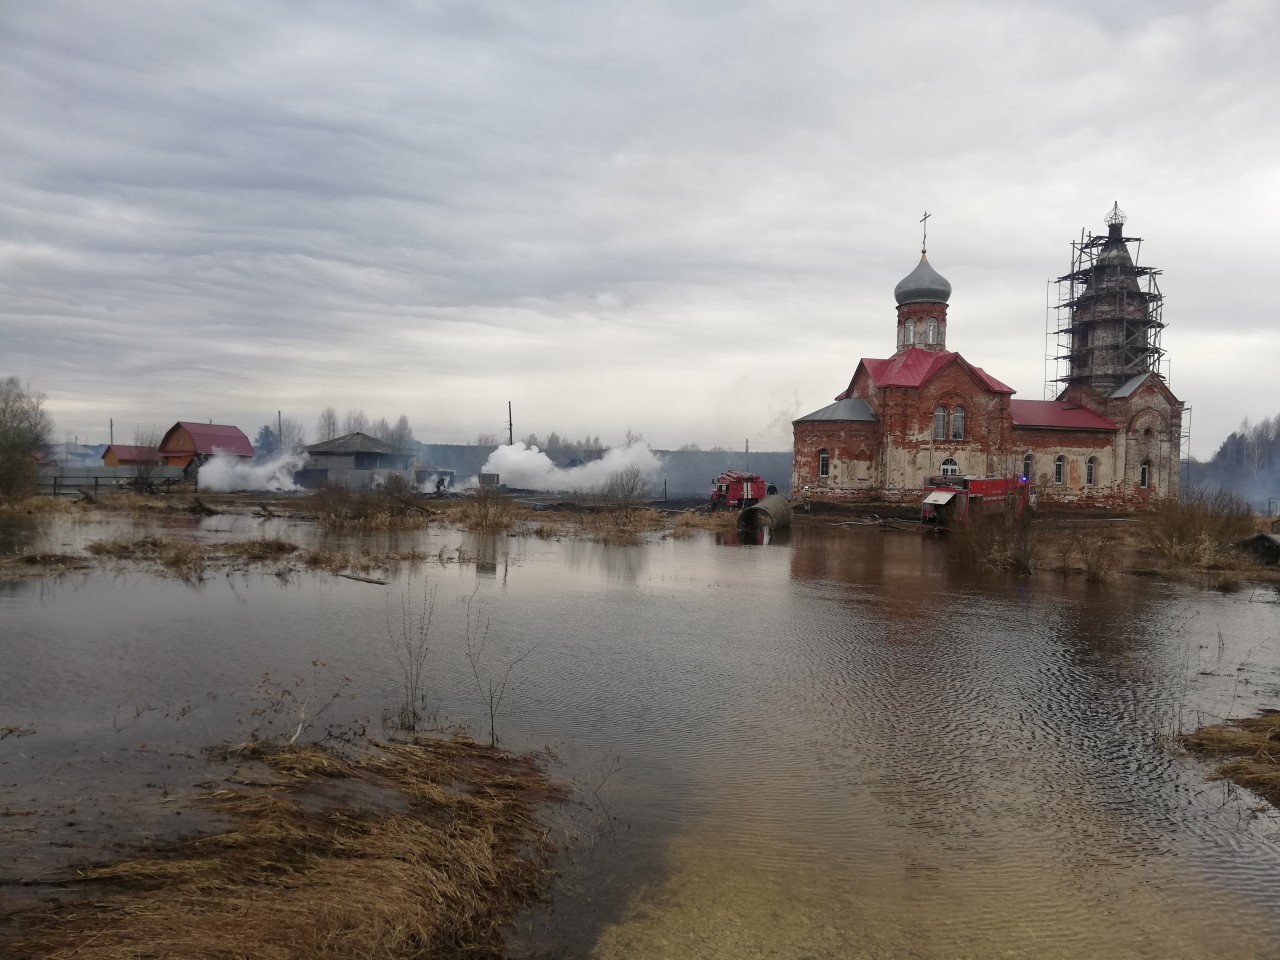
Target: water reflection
[{"x": 846, "y": 744}]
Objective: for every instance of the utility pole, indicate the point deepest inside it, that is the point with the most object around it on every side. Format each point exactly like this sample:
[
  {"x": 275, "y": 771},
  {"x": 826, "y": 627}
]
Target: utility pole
[
  {"x": 746, "y": 459},
  {"x": 279, "y": 433},
  {"x": 511, "y": 429},
  {"x": 112, "y": 427}
]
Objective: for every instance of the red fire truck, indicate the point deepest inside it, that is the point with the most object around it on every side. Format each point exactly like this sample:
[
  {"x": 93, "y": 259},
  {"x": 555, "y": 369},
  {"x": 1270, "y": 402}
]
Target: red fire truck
[
  {"x": 737, "y": 490},
  {"x": 949, "y": 501}
]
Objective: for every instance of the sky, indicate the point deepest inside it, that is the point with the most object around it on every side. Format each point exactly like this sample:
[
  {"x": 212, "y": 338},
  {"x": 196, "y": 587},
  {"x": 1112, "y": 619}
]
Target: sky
[{"x": 681, "y": 219}]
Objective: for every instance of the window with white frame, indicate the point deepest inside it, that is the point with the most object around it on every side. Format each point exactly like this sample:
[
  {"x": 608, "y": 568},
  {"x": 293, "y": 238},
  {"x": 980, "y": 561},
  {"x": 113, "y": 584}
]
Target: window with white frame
[
  {"x": 950, "y": 468},
  {"x": 824, "y": 463},
  {"x": 1144, "y": 474},
  {"x": 939, "y": 423},
  {"x": 1059, "y": 468},
  {"x": 957, "y": 423},
  {"x": 1091, "y": 472}
]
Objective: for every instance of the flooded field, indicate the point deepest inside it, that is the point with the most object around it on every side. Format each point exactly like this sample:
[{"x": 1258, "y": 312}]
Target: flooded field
[{"x": 838, "y": 744}]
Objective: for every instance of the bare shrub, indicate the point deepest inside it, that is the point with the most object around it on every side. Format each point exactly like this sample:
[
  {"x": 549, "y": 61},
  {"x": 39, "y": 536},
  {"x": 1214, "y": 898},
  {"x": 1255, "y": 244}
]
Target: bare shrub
[
  {"x": 1003, "y": 541},
  {"x": 491, "y": 679},
  {"x": 487, "y": 512},
  {"x": 627, "y": 485},
  {"x": 409, "y": 630},
  {"x": 1097, "y": 553},
  {"x": 1199, "y": 528}
]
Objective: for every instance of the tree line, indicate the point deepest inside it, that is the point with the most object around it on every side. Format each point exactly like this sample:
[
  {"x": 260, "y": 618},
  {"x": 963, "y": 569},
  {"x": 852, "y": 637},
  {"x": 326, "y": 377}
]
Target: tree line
[{"x": 1246, "y": 462}]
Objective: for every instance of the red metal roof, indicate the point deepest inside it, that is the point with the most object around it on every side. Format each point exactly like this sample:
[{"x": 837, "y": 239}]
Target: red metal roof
[
  {"x": 1057, "y": 415},
  {"x": 209, "y": 438},
  {"x": 915, "y": 367}
]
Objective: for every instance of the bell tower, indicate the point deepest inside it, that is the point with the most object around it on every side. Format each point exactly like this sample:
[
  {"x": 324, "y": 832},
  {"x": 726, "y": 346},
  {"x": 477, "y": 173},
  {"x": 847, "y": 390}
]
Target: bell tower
[
  {"x": 1109, "y": 312},
  {"x": 922, "y": 297}
]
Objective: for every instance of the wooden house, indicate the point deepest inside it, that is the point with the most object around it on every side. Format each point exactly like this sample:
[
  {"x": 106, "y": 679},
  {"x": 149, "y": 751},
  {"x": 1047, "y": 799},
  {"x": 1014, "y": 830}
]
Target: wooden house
[
  {"x": 190, "y": 444},
  {"x": 126, "y": 455}
]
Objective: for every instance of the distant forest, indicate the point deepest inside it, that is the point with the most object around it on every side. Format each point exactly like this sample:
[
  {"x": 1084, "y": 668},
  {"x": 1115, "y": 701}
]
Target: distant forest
[{"x": 1247, "y": 462}]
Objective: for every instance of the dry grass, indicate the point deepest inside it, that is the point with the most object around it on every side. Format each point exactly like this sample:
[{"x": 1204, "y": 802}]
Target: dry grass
[
  {"x": 486, "y": 512},
  {"x": 360, "y": 561},
  {"x": 690, "y": 521},
  {"x": 436, "y": 866},
  {"x": 340, "y": 509},
  {"x": 1254, "y": 742},
  {"x": 621, "y": 527},
  {"x": 41, "y": 505},
  {"x": 1200, "y": 528}
]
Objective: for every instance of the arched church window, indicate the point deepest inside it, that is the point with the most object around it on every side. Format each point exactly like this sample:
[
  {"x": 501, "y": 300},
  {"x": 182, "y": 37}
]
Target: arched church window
[
  {"x": 957, "y": 423},
  {"x": 1059, "y": 468},
  {"x": 909, "y": 333},
  {"x": 1144, "y": 474},
  {"x": 1091, "y": 471},
  {"x": 824, "y": 463},
  {"x": 931, "y": 331},
  {"x": 950, "y": 468},
  {"x": 939, "y": 423},
  {"x": 1028, "y": 464}
]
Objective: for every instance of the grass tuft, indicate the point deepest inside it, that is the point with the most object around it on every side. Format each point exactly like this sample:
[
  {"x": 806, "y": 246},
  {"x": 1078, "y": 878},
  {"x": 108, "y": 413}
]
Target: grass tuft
[
  {"x": 1254, "y": 742},
  {"x": 440, "y": 852}
]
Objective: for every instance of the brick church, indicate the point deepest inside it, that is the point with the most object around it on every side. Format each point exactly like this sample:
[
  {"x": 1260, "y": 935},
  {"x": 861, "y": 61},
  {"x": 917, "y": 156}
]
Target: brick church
[{"x": 1111, "y": 438}]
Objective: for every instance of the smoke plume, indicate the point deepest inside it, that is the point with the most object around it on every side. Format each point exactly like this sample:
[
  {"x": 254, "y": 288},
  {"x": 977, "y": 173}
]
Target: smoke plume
[
  {"x": 531, "y": 469},
  {"x": 224, "y": 473}
]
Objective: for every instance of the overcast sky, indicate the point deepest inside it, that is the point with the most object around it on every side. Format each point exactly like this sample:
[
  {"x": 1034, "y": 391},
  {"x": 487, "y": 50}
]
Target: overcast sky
[{"x": 681, "y": 218}]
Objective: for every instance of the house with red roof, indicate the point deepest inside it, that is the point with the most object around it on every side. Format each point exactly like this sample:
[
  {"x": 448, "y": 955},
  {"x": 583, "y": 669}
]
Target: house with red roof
[
  {"x": 189, "y": 445},
  {"x": 1111, "y": 438}
]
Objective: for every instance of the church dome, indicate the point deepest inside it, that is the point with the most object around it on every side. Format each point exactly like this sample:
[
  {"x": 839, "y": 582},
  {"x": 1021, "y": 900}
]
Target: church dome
[{"x": 922, "y": 285}]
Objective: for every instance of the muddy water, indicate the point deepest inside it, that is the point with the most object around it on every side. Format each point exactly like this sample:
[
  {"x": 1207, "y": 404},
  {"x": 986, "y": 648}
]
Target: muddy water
[{"x": 839, "y": 744}]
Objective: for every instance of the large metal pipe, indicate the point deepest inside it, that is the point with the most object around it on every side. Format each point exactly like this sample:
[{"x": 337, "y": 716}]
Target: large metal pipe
[{"x": 773, "y": 511}]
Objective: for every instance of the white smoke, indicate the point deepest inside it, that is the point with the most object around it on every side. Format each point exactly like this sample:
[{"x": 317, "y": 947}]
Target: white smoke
[
  {"x": 531, "y": 469},
  {"x": 224, "y": 473}
]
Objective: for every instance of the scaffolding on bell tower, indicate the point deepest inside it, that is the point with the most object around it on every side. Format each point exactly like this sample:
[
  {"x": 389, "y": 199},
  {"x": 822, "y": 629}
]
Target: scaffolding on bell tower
[{"x": 1106, "y": 326}]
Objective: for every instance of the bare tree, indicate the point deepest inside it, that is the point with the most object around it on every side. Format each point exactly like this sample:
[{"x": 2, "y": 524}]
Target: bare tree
[
  {"x": 356, "y": 422},
  {"x": 327, "y": 425},
  {"x": 380, "y": 429},
  {"x": 292, "y": 435},
  {"x": 401, "y": 435},
  {"x": 25, "y": 429},
  {"x": 144, "y": 473}
]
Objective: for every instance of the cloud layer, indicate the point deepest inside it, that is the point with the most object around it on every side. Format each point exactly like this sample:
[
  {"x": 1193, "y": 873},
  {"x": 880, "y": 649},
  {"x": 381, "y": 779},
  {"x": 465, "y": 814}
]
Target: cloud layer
[{"x": 686, "y": 219}]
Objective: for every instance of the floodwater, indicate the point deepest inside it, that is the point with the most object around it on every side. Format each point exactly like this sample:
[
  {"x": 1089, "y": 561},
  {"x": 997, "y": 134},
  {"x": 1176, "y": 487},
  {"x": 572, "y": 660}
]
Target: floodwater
[{"x": 838, "y": 744}]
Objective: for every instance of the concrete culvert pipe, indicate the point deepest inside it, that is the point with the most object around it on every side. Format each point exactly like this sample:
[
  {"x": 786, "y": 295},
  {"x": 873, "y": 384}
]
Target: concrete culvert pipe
[{"x": 773, "y": 511}]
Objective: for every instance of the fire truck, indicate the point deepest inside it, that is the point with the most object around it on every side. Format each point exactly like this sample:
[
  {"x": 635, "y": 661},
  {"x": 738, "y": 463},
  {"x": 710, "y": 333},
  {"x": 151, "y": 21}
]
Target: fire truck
[
  {"x": 949, "y": 501},
  {"x": 734, "y": 489}
]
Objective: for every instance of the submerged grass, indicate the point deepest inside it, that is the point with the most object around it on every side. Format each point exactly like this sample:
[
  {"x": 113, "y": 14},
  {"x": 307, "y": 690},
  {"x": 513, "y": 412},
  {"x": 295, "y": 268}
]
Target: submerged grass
[
  {"x": 1254, "y": 742},
  {"x": 690, "y": 521},
  {"x": 186, "y": 558},
  {"x": 435, "y": 865}
]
